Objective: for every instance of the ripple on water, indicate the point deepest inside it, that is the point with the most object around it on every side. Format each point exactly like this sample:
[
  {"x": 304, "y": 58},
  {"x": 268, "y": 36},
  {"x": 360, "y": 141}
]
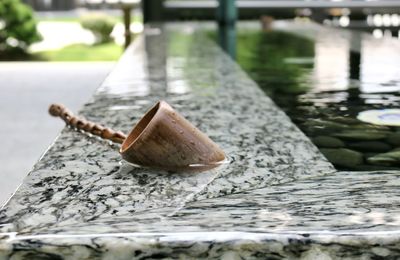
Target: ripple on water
[{"x": 323, "y": 82}]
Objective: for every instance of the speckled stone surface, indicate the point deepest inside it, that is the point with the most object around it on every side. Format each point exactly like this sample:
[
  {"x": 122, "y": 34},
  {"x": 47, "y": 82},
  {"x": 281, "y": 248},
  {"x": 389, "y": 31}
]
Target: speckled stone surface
[{"x": 277, "y": 197}]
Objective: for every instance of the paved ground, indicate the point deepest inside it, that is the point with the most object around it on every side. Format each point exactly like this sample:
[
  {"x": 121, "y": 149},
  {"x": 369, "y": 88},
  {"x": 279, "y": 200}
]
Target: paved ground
[
  {"x": 57, "y": 35},
  {"x": 27, "y": 88}
]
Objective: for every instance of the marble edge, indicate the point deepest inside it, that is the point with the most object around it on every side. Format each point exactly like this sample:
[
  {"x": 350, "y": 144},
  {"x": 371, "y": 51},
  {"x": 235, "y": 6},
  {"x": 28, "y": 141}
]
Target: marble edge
[
  {"x": 323, "y": 236},
  {"x": 355, "y": 238}
]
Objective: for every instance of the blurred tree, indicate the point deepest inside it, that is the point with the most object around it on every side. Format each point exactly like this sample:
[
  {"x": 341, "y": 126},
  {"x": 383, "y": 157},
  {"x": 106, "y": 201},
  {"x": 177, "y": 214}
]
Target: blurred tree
[
  {"x": 17, "y": 29},
  {"x": 101, "y": 25}
]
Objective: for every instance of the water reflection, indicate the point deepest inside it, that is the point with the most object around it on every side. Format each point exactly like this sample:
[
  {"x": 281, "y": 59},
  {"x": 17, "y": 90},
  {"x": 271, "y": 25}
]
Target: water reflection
[
  {"x": 354, "y": 64},
  {"x": 227, "y": 39},
  {"x": 176, "y": 80},
  {"x": 323, "y": 82},
  {"x": 331, "y": 59},
  {"x": 129, "y": 77}
]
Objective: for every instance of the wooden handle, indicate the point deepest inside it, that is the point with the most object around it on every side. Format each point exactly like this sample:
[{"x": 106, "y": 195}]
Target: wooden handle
[{"x": 59, "y": 110}]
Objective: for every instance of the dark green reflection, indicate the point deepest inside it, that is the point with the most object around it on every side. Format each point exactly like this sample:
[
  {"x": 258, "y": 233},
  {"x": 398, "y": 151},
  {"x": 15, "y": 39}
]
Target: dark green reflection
[
  {"x": 283, "y": 66},
  {"x": 266, "y": 58},
  {"x": 227, "y": 39}
]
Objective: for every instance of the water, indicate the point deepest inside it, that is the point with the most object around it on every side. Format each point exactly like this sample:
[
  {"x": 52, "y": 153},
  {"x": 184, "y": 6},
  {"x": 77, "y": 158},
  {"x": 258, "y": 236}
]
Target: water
[{"x": 323, "y": 78}]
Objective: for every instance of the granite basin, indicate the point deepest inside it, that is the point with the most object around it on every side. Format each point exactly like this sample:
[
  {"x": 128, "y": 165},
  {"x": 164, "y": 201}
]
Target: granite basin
[{"x": 277, "y": 198}]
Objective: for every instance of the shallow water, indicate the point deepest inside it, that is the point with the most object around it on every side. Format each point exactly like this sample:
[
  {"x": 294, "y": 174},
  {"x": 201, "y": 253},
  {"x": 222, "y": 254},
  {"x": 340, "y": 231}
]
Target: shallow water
[{"x": 322, "y": 81}]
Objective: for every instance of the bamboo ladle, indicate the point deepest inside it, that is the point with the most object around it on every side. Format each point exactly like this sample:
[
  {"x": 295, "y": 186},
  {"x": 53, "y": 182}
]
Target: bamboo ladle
[{"x": 161, "y": 139}]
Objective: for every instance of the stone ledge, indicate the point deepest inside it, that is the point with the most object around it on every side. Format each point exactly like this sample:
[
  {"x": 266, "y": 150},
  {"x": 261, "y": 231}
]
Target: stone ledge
[{"x": 81, "y": 194}]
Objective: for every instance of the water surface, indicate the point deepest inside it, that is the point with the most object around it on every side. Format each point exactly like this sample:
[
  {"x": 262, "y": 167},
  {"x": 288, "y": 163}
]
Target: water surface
[{"x": 323, "y": 78}]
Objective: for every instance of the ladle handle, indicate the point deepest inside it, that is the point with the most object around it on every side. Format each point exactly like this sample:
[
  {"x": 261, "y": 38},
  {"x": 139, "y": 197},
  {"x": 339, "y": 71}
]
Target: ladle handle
[{"x": 59, "y": 110}]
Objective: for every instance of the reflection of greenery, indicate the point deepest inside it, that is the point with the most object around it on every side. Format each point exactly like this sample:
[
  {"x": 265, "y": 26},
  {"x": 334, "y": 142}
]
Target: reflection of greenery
[
  {"x": 181, "y": 45},
  {"x": 77, "y": 19},
  {"x": 263, "y": 56},
  {"x": 280, "y": 63},
  {"x": 82, "y": 52},
  {"x": 17, "y": 28}
]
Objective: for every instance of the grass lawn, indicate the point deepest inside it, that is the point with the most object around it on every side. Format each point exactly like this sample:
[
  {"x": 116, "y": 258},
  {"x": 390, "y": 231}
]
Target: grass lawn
[
  {"x": 118, "y": 19},
  {"x": 58, "y": 19},
  {"x": 82, "y": 52}
]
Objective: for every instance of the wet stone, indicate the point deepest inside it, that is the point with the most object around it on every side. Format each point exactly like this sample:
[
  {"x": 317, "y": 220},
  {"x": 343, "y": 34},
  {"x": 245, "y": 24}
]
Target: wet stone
[
  {"x": 328, "y": 142},
  {"x": 343, "y": 157},
  {"x": 325, "y": 124},
  {"x": 394, "y": 139},
  {"x": 370, "y": 127},
  {"x": 362, "y": 135},
  {"x": 345, "y": 120},
  {"x": 370, "y": 146},
  {"x": 385, "y": 159},
  {"x": 369, "y": 154},
  {"x": 368, "y": 167}
]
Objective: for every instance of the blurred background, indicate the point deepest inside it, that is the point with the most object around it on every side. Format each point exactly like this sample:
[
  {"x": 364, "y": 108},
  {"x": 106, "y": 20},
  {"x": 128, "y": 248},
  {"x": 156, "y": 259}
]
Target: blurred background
[
  {"x": 64, "y": 30},
  {"x": 61, "y": 51}
]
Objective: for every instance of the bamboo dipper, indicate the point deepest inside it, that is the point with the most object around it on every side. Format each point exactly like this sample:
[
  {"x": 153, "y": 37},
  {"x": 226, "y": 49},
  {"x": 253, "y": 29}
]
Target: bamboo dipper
[{"x": 161, "y": 139}]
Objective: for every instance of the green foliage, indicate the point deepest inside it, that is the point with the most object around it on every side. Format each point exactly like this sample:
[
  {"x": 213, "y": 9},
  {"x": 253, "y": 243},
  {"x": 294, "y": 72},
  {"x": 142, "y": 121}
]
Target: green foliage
[
  {"x": 100, "y": 25},
  {"x": 17, "y": 28},
  {"x": 264, "y": 54},
  {"x": 82, "y": 52}
]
